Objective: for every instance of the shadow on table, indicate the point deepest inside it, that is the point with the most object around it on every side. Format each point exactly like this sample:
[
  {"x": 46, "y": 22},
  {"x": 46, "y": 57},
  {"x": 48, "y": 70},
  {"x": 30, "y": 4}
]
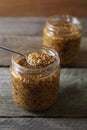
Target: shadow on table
[{"x": 71, "y": 102}]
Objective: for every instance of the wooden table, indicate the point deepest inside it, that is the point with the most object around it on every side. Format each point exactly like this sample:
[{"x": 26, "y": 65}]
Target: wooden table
[{"x": 70, "y": 111}]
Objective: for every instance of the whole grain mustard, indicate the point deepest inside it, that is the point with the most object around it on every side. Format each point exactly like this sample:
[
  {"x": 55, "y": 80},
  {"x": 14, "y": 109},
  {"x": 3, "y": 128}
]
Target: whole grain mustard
[
  {"x": 63, "y": 33},
  {"x": 35, "y": 86}
]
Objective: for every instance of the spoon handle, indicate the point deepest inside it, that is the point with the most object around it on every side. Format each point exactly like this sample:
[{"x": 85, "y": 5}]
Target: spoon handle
[{"x": 10, "y": 50}]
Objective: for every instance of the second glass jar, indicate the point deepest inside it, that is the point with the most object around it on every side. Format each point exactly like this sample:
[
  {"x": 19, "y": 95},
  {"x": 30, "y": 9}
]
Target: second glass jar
[{"x": 63, "y": 33}]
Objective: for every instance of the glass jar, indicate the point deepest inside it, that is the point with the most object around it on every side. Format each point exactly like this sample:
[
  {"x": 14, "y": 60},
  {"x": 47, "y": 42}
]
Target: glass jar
[
  {"x": 35, "y": 88},
  {"x": 63, "y": 33}
]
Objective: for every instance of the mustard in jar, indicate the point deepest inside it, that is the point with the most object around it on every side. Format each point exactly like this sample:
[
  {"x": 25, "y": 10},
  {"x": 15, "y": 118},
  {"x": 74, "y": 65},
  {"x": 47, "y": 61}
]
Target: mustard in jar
[
  {"x": 35, "y": 86},
  {"x": 63, "y": 33}
]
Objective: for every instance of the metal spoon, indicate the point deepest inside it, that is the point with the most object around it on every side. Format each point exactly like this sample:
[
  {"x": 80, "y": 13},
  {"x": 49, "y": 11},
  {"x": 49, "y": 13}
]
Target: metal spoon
[{"x": 13, "y": 51}]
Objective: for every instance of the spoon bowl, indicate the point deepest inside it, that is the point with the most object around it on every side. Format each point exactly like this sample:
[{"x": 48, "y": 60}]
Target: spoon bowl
[{"x": 13, "y": 51}]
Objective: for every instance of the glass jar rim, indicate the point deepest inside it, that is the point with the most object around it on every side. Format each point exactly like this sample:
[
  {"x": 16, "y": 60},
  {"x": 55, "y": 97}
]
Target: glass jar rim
[
  {"x": 21, "y": 69},
  {"x": 71, "y": 19}
]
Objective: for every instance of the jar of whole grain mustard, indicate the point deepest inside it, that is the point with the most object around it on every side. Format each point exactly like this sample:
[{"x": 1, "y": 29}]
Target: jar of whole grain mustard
[
  {"x": 63, "y": 33},
  {"x": 35, "y": 86}
]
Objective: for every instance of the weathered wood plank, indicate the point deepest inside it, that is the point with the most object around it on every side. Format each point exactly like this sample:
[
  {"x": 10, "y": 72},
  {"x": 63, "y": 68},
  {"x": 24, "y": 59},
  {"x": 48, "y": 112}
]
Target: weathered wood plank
[
  {"x": 72, "y": 99},
  {"x": 43, "y": 124},
  {"x": 18, "y": 41},
  {"x": 30, "y": 26}
]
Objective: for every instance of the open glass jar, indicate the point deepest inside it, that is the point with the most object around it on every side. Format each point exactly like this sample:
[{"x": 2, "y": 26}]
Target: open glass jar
[
  {"x": 63, "y": 33},
  {"x": 35, "y": 88}
]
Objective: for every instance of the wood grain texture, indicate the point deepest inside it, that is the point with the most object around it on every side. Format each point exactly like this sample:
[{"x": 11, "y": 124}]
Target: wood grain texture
[
  {"x": 28, "y": 26},
  {"x": 19, "y": 41},
  {"x": 43, "y": 124},
  {"x": 71, "y": 102},
  {"x": 42, "y": 7}
]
